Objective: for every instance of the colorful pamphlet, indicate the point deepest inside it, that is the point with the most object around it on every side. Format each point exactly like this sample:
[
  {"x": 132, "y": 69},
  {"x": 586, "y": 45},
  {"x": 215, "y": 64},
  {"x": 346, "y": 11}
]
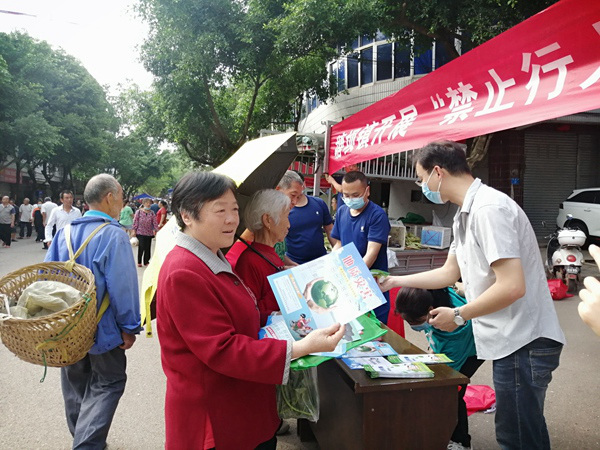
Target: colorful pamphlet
[
  {"x": 427, "y": 358},
  {"x": 404, "y": 370},
  {"x": 337, "y": 287},
  {"x": 360, "y": 363},
  {"x": 372, "y": 348}
]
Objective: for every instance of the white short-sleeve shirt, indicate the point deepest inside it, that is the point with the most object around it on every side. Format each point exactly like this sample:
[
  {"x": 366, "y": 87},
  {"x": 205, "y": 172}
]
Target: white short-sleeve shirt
[{"x": 490, "y": 226}]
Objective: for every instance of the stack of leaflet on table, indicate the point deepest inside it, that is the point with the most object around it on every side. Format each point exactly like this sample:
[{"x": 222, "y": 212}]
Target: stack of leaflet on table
[
  {"x": 367, "y": 353},
  {"x": 425, "y": 358},
  {"x": 385, "y": 369}
]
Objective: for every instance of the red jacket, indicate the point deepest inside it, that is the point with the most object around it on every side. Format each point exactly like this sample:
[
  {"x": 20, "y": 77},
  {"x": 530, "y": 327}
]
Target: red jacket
[
  {"x": 208, "y": 325},
  {"x": 253, "y": 270}
]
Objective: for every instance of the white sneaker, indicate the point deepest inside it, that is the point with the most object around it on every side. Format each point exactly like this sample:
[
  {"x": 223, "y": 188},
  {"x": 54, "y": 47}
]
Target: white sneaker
[{"x": 457, "y": 446}]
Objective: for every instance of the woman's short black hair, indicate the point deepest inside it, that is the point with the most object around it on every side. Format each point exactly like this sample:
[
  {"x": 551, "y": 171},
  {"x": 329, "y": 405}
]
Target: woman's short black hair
[
  {"x": 414, "y": 303},
  {"x": 195, "y": 189},
  {"x": 448, "y": 155}
]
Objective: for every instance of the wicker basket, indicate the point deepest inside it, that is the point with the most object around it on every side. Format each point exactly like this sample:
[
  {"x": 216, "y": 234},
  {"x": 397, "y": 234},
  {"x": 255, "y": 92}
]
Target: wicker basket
[{"x": 59, "y": 339}]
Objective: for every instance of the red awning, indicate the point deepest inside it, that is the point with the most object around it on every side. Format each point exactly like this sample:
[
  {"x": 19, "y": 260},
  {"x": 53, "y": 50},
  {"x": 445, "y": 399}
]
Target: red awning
[{"x": 547, "y": 66}]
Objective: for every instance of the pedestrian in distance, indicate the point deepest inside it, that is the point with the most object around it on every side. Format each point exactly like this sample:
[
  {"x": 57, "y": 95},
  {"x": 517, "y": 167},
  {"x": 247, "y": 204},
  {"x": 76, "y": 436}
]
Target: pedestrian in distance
[
  {"x": 161, "y": 215},
  {"x": 60, "y": 216},
  {"x": 7, "y": 221},
  {"x": 47, "y": 207},
  {"x": 126, "y": 218},
  {"x": 25, "y": 218},
  {"x": 144, "y": 228},
  {"x": 38, "y": 221}
]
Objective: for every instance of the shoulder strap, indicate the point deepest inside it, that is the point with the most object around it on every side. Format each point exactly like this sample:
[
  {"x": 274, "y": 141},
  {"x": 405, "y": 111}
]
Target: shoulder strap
[
  {"x": 103, "y": 307},
  {"x": 73, "y": 256},
  {"x": 279, "y": 269}
]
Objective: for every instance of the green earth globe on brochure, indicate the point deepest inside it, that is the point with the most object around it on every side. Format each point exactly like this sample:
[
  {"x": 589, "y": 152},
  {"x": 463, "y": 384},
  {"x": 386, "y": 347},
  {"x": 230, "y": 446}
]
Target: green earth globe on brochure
[{"x": 324, "y": 293}]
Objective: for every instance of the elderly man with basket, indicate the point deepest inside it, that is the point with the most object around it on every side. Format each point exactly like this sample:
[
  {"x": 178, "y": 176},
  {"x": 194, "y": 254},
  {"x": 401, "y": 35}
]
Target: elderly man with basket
[{"x": 93, "y": 386}]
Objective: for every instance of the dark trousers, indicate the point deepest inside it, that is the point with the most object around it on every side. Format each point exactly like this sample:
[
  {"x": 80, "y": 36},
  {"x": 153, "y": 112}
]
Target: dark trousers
[
  {"x": 5, "y": 233},
  {"x": 461, "y": 432},
  {"x": 91, "y": 390},
  {"x": 521, "y": 380},
  {"x": 41, "y": 232},
  {"x": 144, "y": 248},
  {"x": 24, "y": 225}
]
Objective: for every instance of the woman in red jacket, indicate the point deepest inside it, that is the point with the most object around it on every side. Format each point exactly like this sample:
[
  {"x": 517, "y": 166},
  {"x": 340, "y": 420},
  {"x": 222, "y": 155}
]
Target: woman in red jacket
[
  {"x": 267, "y": 217},
  {"x": 220, "y": 378}
]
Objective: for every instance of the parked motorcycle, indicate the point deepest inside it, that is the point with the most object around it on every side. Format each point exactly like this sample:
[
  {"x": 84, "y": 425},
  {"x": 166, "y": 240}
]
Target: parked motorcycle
[{"x": 564, "y": 255}]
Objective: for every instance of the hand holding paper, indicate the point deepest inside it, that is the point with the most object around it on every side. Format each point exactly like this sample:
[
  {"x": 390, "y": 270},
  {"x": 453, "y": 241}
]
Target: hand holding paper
[{"x": 320, "y": 340}]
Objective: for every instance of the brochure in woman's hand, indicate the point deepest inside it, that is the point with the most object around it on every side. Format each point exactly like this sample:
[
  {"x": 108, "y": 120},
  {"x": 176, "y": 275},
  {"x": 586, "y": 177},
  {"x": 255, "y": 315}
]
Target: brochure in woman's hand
[{"x": 337, "y": 287}]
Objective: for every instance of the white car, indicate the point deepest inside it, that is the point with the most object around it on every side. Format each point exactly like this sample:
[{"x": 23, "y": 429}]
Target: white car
[{"x": 584, "y": 206}]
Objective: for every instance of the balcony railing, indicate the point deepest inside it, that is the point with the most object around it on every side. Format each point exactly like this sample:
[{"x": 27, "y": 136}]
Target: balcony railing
[{"x": 392, "y": 167}]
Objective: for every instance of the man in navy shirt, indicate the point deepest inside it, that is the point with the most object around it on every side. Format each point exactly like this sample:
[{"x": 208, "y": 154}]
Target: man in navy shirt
[
  {"x": 308, "y": 219},
  {"x": 366, "y": 224}
]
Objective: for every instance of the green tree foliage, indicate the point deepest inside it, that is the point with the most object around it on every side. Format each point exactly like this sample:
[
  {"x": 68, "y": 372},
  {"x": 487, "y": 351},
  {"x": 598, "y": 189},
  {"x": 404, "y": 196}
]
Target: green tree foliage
[
  {"x": 135, "y": 158},
  {"x": 223, "y": 71},
  {"x": 227, "y": 68},
  {"x": 54, "y": 117}
]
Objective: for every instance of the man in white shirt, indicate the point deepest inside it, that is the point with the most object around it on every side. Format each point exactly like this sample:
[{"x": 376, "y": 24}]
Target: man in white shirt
[
  {"x": 61, "y": 216},
  {"x": 515, "y": 325},
  {"x": 26, "y": 219}
]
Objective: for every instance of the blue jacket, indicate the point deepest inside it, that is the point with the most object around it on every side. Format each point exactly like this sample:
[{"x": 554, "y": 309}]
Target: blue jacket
[{"x": 109, "y": 257}]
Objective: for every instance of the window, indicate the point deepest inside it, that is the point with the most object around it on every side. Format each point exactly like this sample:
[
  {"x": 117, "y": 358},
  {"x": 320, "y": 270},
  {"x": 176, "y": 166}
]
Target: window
[
  {"x": 423, "y": 57},
  {"x": 366, "y": 66},
  {"x": 341, "y": 75},
  {"x": 583, "y": 197},
  {"x": 401, "y": 62},
  {"x": 352, "y": 70},
  {"x": 423, "y": 63},
  {"x": 384, "y": 62},
  {"x": 366, "y": 40},
  {"x": 441, "y": 55}
]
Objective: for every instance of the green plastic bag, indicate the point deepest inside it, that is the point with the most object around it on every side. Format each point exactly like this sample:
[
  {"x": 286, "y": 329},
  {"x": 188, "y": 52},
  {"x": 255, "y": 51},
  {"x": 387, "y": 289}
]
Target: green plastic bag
[{"x": 372, "y": 330}]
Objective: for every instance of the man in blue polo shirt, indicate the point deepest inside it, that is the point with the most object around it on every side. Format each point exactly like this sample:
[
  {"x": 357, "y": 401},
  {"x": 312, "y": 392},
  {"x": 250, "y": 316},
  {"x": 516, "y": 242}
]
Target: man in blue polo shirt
[
  {"x": 366, "y": 224},
  {"x": 308, "y": 219}
]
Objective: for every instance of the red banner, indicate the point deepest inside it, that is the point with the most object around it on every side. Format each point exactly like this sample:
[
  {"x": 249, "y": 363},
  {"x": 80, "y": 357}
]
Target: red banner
[{"x": 547, "y": 66}]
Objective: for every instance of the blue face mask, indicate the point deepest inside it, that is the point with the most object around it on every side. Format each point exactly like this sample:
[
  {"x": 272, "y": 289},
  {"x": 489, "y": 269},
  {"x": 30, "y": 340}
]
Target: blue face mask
[
  {"x": 425, "y": 326},
  {"x": 355, "y": 203},
  {"x": 434, "y": 197}
]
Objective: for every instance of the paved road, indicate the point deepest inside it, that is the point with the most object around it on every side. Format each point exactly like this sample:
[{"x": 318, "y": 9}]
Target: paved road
[{"x": 31, "y": 413}]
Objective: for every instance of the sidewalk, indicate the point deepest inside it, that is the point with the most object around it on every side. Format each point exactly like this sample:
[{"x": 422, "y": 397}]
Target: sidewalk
[{"x": 32, "y": 416}]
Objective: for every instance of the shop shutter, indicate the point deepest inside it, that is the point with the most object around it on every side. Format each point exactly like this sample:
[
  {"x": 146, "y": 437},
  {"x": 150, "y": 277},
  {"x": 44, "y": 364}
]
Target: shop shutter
[
  {"x": 588, "y": 161},
  {"x": 550, "y": 176}
]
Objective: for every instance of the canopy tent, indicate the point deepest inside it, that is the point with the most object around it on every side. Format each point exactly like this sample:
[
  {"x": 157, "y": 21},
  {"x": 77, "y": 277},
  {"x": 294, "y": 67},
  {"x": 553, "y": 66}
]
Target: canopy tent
[
  {"x": 142, "y": 196},
  {"x": 258, "y": 164},
  {"x": 546, "y": 67}
]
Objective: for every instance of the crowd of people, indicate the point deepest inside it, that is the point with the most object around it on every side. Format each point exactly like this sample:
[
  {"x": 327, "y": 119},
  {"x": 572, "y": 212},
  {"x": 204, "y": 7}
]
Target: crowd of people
[{"x": 210, "y": 304}]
